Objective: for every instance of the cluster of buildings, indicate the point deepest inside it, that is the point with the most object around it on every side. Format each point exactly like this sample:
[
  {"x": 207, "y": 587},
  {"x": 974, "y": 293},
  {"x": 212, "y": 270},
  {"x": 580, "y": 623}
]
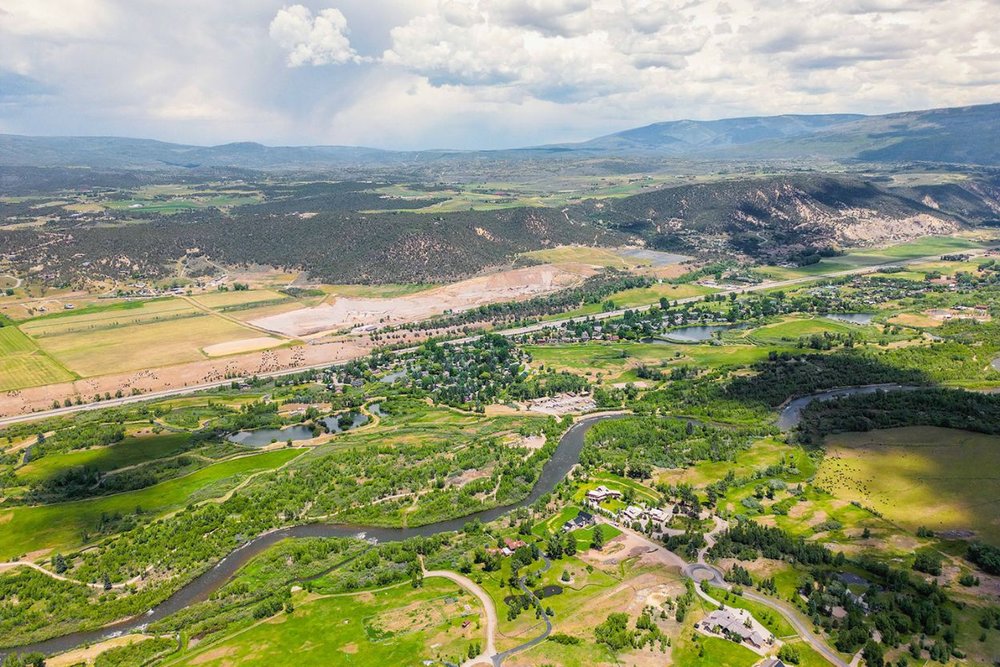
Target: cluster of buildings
[{"x": 630, "y": 514}]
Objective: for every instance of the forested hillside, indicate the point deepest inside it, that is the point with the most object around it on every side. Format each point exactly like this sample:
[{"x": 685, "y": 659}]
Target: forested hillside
[{"x": 330, "y": 245}]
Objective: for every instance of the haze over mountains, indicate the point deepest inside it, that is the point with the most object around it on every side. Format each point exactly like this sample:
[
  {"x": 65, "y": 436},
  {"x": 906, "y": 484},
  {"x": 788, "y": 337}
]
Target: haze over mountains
[{"x": 965, "y": 135}]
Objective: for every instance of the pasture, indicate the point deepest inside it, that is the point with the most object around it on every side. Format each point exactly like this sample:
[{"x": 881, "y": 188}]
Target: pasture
[
  {"x": 763, "y": 453},
  {"x": 391, "y": 626},
  {"x": 943, "y": 479},
  {"x": 791, "y": 329},
  {"x": 642, "y": 296},
  {"x": 239, "y": 299},
  {"x": 131, "y": 336},
  {"x": 23, "y": 364},
  {"x": 67, "y": 525}
]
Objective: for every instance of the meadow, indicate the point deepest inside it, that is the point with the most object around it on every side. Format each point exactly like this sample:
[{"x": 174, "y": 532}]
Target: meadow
[
  {"x": 614, "y": 359},
  {"x": 391, "y": 626},
  {"x": 793, "y": 328},
  {"x": 924, "y": 247},
  {"x": 128, "y": 452},
  {"x": 67, "y": 525},
  {"x": 762, "y": 454},
  {"x": 943, "y": 479},
  {"x": 116, "y": 339}
]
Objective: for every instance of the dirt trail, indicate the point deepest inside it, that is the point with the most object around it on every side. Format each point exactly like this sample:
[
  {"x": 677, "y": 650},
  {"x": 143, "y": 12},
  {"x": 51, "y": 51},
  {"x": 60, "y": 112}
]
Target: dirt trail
[{"x": 50, "y": 573}]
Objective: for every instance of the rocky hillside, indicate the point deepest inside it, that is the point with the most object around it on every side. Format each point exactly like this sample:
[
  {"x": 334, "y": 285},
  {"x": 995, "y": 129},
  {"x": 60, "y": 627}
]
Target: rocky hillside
[{"x": 771, "y": 219}]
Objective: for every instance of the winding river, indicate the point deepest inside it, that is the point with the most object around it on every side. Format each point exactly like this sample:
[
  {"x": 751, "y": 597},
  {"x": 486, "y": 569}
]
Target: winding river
[{"x": 565, "y": 456}]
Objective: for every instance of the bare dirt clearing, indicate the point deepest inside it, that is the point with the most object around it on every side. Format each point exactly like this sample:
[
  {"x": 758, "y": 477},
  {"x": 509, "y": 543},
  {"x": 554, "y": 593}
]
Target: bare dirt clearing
[
  {"x": 350, "y": 312},
  {"x": 241, "y": 346}
]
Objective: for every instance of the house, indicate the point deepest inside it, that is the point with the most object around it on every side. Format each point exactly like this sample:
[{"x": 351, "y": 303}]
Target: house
[
  {"x": 658, "y": 515},
  {"x": 733, "y": 623},
  {"x": 581, "y": 520},
  {"x": 633, "y": 513},
  {"x": 602, "y": 493},
  {"x": 771, "y": 662},
  {"x": 513, "y": 545}
]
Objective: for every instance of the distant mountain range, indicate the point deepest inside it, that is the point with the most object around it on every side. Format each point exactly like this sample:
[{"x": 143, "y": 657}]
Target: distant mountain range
[
  {"x": 969, "y": 135},
  {"x": 966, "y": 135}
]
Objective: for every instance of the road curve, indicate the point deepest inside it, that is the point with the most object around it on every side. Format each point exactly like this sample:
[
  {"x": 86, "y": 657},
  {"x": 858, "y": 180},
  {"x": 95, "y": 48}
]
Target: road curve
[
  {"x": 703, "y": 571},
  {"x": 490, "y": 609}
]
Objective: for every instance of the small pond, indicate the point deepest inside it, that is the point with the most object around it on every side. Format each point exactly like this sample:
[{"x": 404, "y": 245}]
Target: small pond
[
  {"x": 548, "y": 591},
  {"x": 265, "y": 436},
  {"x": 333, "y": 422},
  {"x": 851, "y": 318},
  {"x": 693, "y": 334}
]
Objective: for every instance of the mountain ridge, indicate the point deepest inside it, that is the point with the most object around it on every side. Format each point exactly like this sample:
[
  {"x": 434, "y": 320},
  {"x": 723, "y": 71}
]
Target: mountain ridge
[{"x": 969, "y": 134}]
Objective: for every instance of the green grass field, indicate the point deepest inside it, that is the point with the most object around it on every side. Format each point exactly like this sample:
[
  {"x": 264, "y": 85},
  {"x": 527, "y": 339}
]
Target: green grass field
[
  {"x": 613, "y": 359},
  {"x": 23, "y": 364},
  {"x": 943, "y": 479},
  {"x": 763, "y": 453},
  {"x": 642, "y": 296},
  {"x": 924, "y": 247},
  {"x": 583, "y": 254},
  {"x": 793, "y": 328},
  {"x": 386, "y": 291},
  {"x": 241, "y": 298},
  {"x": 62, "y": 526},
  {"x": 130, "y": 451},
  {"x": 710, "y": 652},
  {"x": 395, "y": 626}
]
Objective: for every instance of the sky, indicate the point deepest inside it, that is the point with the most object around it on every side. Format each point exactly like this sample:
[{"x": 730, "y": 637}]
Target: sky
[{"x": 415, "y": 74}]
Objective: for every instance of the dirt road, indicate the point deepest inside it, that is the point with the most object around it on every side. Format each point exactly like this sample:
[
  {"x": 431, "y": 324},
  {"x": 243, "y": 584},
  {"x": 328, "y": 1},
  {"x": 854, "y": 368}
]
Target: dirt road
[{"x": 490, "y": 649}]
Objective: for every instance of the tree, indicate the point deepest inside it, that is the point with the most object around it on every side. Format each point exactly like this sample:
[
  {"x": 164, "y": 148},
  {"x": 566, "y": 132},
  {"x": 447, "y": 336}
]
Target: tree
[
  {"x": 570, "y": 548},
  {"x": 614, "y": 632},
  {"x": 554, "y": 546},
  {"x": 59, "y": 563},
  {"x": 597, "y": 540},
  {"x": 789, "y": 654},
  {"x": 873, "y": 654}
]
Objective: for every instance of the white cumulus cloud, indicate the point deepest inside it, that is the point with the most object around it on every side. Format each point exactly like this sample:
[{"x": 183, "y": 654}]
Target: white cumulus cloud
[{"x": 313, "y": 40}]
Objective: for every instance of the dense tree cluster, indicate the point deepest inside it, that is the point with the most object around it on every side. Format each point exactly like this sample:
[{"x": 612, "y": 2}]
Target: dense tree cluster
[{"x": 948, "y": 408}]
